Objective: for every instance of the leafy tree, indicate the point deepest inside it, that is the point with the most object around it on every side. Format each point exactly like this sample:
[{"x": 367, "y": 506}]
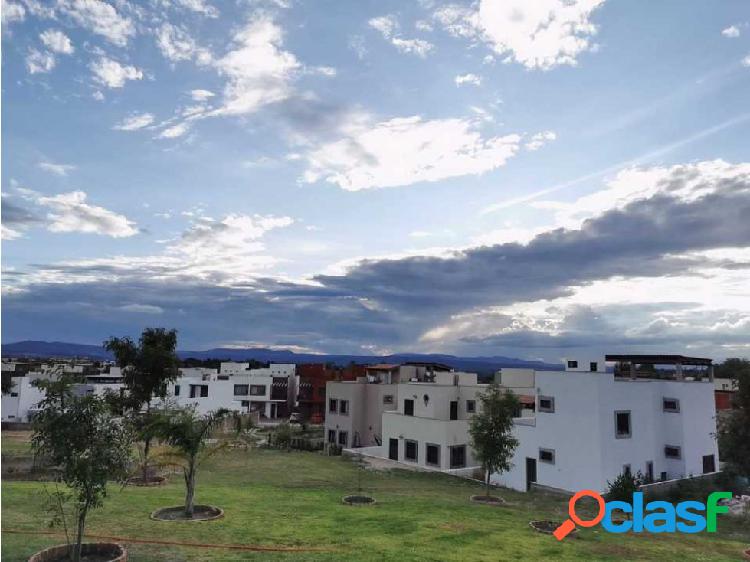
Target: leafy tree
[
  {"x": 7, "y": 383},
  {"x": 88, "y": 443},
  {"x": 147, "y": 368},
  {"x": 187, "y": 432},
  {"x": 491, "y": 431},
  {"x": 282, "y": 435},
  {"x": 624, "y": 486},
  {"x": 734, "y": 426}
]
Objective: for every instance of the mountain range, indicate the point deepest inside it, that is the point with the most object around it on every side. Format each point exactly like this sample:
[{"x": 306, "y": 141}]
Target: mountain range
[{"x": 481, "y": 365}]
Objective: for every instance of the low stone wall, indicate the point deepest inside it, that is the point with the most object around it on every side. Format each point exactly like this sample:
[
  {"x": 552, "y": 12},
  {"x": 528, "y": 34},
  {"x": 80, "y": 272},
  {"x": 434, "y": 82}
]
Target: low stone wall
[
  {"x": 660, "y": 488},
  {"x": 15, "y": 426}
]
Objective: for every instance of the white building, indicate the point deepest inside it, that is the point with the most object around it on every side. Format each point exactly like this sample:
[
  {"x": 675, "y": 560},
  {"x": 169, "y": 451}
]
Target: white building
[{"x": 590, "y": 426}]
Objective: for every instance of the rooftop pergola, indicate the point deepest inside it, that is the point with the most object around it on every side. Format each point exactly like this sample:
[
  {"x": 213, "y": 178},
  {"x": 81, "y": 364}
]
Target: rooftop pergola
[{"x": 678, "y": 361}]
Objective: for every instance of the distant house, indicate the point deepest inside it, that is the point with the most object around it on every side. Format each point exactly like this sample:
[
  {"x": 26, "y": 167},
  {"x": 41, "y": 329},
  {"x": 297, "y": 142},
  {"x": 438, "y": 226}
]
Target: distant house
[{"x": 312, "y": 380}]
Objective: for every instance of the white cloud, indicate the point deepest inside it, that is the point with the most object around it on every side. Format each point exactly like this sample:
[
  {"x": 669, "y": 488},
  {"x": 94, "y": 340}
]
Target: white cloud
[
  {"x": 388, "y": 28},
  {"x": 142, "y": 308},
  {"x": 423, "y": 25},
  {"x": 56, "y": 41},
  {"x": 38, "y": 62},
  {"x": 731, "y": 32},
  {"x": 538, "y": 140},
  {"x": 404, "y": 151},
  {"x": 134, "y": 122},
  {"x": 9, "y": 233},
  {"x": 199, "y": 7},
  {"x": 472, "y": 79},
  {"x": 12, "y": 12},
  {"x": 97, "y": 95},
  {"x": 746, "y": 61},
  {"x": 258, "y": 70},
  {"x": 110, "y": 73},
  {"x": 357, "y": 44},
  {"x": 175, "y": 131},
  {"x": 176, "y": 44},
  {"x": 201, "y": 95},
  {"x": 100, "y": 18},
  {"x": 70, "y": 213},
  {"x": 540, "y": 34},
  {"x": 57, "y": 169}
]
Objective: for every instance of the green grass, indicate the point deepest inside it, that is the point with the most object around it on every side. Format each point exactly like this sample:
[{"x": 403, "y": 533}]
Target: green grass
[{"x": 294, "y": 499}]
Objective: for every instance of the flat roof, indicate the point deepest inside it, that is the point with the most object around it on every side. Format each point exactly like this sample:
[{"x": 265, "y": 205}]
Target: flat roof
[{"x": 660, "y": 359}]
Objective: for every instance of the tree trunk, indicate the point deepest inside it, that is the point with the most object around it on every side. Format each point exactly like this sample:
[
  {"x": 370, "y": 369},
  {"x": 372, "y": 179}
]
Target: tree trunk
[
  {"x": 190, "y": 488},
  {"x": 79, "y": 533},
  {"x": 487, "y": 481},
  {"x": 146, "y": 450}
]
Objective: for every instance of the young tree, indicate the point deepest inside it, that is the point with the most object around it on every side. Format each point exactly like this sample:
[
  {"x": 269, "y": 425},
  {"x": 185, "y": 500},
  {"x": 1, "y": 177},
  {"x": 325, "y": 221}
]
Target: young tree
[
  {"x": 624, "y": 486},
  {"x": 90, "y": 445},
  {"x": 734, "y": 427},
  {"x": 147, "y": 369},
  {"x": 491, "y": 431},
  {"x": 187, "y": 432}
]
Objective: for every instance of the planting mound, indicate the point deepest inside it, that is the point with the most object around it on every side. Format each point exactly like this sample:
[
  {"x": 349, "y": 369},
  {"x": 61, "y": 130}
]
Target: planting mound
[
  {"x": 90, "y": 552},
  {"x": 200, "y": 513},
  {"x": 548, "y": 527},
  {"x": 488, "y": 500},
  {"x": 149, "y": 481},
  {"x": 358, "y": 500}
]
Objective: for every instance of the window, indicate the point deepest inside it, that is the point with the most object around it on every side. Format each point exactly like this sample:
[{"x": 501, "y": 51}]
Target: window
[
  {"x": 257, "y": 389},
  {"x": 388, "y": 399},
  {"x": 331, "y": 435},
  {"x": 333, "y": 405},
  {"x": 593, "y": 366},
  {"x": 344, "y": 407},
  {"x": 671, "y": 405},
  {"x": 458, "y": 456},
  {"x": 454, "y": 410},
  {"x": 432, "y": 454},
  {"x": 245, "y": 403},
  {"x": 241, "y": 389},
  {"x": 471, "y": 406},
  {"x": 177, "y": 390},
  {"x": 13, "y": 394},
  {"x": 343, "y": 438},
  {"x": 547, "y": 404},
  {"x": 198, "y": 390},
  {"x": 622, "y": 425},
  {"x": 410, "y": 450},
  {"x": 572, "y": 364},
  {"x": 408, "y": 407},
  {"x": 649, "y": 472},
  {"x": 204, "y": 390},
  {"x": 672, "y": 452},
  {"x": 547, "y": 455}
]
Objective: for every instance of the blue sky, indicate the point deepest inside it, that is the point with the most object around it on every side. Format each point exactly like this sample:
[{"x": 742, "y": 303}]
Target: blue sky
[{"x": 499, "y": 177}]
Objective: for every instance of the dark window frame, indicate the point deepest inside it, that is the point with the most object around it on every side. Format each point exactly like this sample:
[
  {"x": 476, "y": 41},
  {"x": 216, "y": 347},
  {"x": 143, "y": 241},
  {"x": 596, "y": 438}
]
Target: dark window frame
[
  {"x": 333, "y": 405},
  {"x": 344, "y": 407},
  {"x": 411, "y": 443},
  {"x": 436, "y": 448},
  {"x": 471, "y": 406},
  {"x": 594, "y": 366},
  {"x": 410, "y": 410},
  {"x": 620, "y": 434},
  {"x": 543, "y": 451},
  {"x": 451, "y": 456},
  {"x": 665, "y": 408},
  {"x": 332, "y": 436},
  {"x": 676, "y": 448},
  {"x": 547, "y": 409},
  {"x": 387, "y": 398},
  {"x": 572, "y": 364},
  {"x": 345, "y": 442},
  {"x": 240, "y": 388},
  {"x": 177, "y": 390}
]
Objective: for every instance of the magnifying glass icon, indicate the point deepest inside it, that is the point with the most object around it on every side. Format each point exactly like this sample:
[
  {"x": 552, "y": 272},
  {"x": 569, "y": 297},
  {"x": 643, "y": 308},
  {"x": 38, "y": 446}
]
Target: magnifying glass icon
[{"x": 570, "y": 524}]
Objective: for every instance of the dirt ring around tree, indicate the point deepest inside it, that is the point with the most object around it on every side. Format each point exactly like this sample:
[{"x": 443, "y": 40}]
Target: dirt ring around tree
[
  {"x": 148, "y": 482},
  {"x": 177, "y": 513},
  {"x": 548, "y": 527},
  {"x": 487, "y": 500},
  {"x": 90, "y": 552},
  {"x": 358, "y": 500}
]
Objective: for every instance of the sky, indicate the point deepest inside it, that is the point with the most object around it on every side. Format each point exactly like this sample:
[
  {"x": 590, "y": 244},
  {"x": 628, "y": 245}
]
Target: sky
[{"x": 499, "y": 177}]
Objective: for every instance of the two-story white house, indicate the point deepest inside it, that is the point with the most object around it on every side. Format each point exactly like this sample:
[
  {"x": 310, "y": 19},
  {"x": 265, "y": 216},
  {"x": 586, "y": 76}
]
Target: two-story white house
[{"x": 590, "y": 425}]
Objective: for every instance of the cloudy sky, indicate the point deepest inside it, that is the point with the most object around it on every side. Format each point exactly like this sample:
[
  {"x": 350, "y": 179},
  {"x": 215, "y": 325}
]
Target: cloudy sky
[{"x": 498, "y": 177}]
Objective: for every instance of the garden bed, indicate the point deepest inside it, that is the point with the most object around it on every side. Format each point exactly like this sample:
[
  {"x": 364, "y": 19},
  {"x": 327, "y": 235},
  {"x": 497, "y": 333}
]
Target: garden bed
[
  {"x": 358, "y": 499},
  {"x": 149, "y": 481},
  {"x": 90, "y": 552},
  {"x": 177, "y": 513}
]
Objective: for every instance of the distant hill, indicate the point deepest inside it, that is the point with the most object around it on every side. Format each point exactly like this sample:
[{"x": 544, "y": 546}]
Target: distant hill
[{"x": 481, "y": 365}]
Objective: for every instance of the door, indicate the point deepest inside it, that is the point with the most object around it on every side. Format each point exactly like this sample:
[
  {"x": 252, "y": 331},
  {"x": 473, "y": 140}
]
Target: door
[
  {"x": 393, "y": 449},
  {"x": 454, "y": 410},
  {"x": 709, "y": 465},
  {"x": 530, "y": 472}
]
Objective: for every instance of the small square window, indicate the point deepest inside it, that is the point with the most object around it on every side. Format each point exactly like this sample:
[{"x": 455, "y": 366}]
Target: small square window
[
  {"x": 547, "y": 404},
  {"x": 547, "y": 455},
  {"x": 344, "y": 407},
  {"x": 14, "y": 395},
  {"x": 333, "y": 405},
  {"x": 245, "y": 403},
  {"x": 671, "y": 405},
  {"x": 388, "y": 399},
  {"x": 572, "y": 364},
  {"x": 410, "y": 450},
  {"x": 432, "y": 454},
  {"x": 672, "y": 452},
  {"x": 622, "y": 425},
  {"x": 593, "y": 366},
  {"x": 471, "y": 406}
]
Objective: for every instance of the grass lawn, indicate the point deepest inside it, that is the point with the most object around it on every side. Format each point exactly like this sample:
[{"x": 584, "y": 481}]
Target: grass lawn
[{"x": 294, "y": 499}]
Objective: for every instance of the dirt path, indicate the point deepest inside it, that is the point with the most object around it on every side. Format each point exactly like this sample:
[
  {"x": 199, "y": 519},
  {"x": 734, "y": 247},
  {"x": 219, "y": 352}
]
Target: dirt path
[{"x": 126, "y": 540}]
